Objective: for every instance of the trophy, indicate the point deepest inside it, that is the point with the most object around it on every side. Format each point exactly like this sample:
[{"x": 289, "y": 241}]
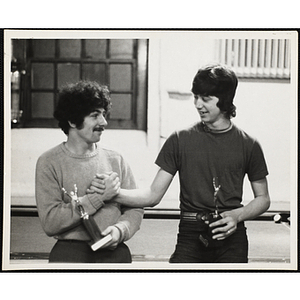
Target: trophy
[
  {"x": 209, "y": 218},
  {"x": 98, "y": 240}
]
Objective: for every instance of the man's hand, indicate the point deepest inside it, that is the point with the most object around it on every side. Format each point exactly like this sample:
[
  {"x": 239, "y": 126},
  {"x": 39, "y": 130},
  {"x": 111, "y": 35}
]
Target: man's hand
[
  {"x": 228, "y": 225},
  {"x": 107, "y": 185},
  {"x": 116, "y": 235}
]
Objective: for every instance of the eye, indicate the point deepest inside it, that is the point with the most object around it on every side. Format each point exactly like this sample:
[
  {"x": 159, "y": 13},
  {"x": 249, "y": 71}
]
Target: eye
[
  {"x": 206, "y": 99},
  {"x": 94, "y": 115}
]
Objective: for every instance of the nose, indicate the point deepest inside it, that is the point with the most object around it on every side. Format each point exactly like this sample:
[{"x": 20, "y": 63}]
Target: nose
[
  {"x": 198, "y": 102},
  {"x": 102, "y": 120}
]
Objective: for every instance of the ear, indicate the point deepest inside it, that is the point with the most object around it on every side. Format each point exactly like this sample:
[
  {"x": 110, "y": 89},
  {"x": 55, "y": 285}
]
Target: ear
[{"x": 72, "y": 125}]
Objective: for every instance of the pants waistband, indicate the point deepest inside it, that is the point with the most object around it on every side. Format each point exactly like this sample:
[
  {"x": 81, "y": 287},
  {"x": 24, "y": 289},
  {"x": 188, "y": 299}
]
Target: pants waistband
[
  {"x": 194, "y": 216},
  {"x": 73, "y": 241},
  {"x": 199, "y": 217}
]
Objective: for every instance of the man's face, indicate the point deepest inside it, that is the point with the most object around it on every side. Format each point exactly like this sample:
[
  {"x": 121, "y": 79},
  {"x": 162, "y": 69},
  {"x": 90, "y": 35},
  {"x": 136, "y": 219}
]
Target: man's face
[
  {"x": 207, "y": 108},
  {"x": 92, "y": 126}
]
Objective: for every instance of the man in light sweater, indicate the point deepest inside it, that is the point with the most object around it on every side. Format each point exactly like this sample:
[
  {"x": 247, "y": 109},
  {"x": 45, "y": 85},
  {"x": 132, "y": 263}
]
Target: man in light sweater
[{"x": 68, "y": 170}]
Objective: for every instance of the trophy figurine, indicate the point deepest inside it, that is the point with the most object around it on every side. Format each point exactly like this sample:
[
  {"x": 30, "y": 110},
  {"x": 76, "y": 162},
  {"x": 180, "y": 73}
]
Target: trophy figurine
[
  {"x": 98, "y": 240},
  {"x": 209, "y": 218}
]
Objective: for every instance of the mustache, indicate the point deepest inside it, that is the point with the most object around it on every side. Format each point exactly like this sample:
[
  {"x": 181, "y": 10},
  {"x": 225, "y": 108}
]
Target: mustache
[{"x": 99, "y": 128}]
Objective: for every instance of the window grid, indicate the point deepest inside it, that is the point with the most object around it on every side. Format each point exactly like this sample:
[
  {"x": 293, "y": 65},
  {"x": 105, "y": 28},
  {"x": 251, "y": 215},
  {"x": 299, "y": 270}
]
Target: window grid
[{"x": 83, "y": 61}]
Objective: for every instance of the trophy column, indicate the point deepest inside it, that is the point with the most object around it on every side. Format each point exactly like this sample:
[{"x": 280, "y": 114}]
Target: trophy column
[{"x": 98, "y": 240}]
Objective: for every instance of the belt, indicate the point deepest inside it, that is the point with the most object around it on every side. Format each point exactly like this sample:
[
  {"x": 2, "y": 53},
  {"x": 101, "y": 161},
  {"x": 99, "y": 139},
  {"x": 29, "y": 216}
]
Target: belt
[
  {"x": 194, "y": 216},
  {"x": 200, "y": 217}
]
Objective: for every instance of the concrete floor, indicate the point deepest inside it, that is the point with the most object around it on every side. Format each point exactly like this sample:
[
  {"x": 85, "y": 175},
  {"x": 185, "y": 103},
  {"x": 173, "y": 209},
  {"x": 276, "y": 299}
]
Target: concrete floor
[{"x": 269, "y": 242}]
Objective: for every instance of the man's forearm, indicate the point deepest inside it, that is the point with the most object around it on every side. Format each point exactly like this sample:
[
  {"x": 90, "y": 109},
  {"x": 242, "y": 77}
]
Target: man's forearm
[
  {"x": 149, "y": 196},
  {"x": 252, "y": 210},
  {"x": 137, "y": 198},
  {"x": 258, "y": 205},
  {"x": 130, "y": 221}
]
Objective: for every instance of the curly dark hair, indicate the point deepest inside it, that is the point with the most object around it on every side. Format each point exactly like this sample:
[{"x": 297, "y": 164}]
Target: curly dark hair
[
  {"x": 78, "y": 100},
  {"x": 219, "y": 81}
]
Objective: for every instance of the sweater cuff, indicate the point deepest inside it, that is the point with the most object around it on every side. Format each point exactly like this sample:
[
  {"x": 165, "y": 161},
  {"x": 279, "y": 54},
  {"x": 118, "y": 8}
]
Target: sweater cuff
[
  {"x": 95, "y": 200},
  {"x": 123, "y": 230}
]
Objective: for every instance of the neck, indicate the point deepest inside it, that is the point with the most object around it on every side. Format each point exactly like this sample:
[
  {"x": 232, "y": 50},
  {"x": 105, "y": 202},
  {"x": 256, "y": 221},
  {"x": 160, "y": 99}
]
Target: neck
[
  {"x": 80, "y": 148},
  {"x": 220, "y": 127}
]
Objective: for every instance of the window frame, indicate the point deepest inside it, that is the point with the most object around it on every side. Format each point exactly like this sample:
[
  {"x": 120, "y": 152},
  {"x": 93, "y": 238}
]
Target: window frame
[{"x": 137, "y": 91}]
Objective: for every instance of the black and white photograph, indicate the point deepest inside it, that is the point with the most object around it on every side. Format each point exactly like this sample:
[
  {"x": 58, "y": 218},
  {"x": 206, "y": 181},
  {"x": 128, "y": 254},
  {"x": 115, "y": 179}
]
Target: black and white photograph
[{"x": 150, "y": 150}]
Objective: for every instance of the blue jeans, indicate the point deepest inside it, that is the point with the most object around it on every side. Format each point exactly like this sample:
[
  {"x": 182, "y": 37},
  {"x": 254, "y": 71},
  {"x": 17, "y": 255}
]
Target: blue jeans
[
  {"x": 189, "y": 248},
  {"x": 72, "y": 251}
]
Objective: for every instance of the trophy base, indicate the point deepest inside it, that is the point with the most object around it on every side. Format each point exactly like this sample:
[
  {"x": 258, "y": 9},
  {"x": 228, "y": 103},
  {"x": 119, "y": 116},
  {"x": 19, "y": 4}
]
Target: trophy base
[{"x": 97, "y": 245}]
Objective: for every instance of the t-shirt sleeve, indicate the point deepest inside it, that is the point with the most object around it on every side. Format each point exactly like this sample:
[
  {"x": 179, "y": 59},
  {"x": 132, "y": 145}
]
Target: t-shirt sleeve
[
  {"x": 168, "y": 157},
  {"x": 257, "y": 167}
]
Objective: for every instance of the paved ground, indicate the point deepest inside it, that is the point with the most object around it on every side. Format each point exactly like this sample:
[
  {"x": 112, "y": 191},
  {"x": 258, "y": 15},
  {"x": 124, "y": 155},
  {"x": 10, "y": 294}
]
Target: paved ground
[{"x": 269, "y": 242}]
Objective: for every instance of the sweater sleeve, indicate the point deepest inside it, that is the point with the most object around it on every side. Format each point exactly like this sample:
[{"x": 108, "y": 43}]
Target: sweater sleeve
[
  {"x": 131, "y": 218},
  {"x": 56, "y": 215}
]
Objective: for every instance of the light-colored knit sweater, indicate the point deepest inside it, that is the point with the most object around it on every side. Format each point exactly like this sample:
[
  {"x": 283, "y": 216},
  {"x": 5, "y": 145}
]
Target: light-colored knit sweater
[{"x": 58, "y": 168}]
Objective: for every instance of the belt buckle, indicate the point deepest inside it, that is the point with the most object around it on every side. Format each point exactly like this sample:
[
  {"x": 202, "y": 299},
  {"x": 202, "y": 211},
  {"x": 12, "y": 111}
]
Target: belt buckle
[{"x": 202, "y": 216}]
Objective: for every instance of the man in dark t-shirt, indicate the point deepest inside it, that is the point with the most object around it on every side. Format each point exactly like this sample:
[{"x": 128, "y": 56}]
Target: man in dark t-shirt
[{"x": 212, "y": 158}]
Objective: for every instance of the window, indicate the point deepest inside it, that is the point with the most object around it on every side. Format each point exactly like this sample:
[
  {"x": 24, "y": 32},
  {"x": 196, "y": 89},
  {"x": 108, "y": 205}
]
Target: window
[
  {"x": 256, "y": 58},
  {"x": 50, "y": 63}
]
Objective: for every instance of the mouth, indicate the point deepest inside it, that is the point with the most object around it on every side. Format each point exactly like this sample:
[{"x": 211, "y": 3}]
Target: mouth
[
  {"x": 202, "y": 113},
  {"x": 99, "y": 129}
]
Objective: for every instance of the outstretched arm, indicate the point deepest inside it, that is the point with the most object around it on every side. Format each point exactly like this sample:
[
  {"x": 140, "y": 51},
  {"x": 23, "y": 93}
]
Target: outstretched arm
[{"x": 150, "y": 196}]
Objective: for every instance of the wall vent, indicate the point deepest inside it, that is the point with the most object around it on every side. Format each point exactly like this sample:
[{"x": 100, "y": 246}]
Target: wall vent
[{"x": 256, "y": 58}]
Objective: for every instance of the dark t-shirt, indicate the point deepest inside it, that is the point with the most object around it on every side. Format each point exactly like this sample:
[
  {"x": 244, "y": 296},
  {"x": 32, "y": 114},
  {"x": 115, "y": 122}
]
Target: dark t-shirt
[{"x": 199, "y": 156}]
